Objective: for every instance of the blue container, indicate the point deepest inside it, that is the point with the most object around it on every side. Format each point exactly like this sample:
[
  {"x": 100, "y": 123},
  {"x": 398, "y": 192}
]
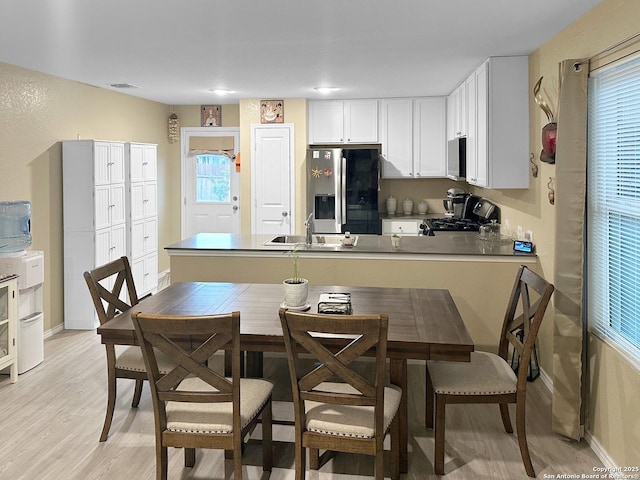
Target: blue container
[{"x": 15, "y": 226}]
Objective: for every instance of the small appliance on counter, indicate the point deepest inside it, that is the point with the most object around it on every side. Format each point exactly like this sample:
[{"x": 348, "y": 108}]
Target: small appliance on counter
[
  {"x": 465, "y": 213},
  {"x": 455, "y": 202}
]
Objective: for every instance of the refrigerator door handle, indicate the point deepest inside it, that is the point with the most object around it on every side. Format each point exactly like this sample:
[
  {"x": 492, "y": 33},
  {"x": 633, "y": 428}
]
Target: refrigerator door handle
[{"x": 343, "y": 192}]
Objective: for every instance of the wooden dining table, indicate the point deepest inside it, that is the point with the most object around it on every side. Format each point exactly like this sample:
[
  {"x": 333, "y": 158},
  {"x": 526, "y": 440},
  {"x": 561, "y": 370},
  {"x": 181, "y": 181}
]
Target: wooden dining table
[{"x": 424, "y": 324}]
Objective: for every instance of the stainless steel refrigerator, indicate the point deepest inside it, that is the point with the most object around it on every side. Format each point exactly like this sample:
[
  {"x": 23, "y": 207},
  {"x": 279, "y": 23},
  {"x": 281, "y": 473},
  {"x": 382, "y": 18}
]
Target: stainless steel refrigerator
[{"x": 342, "y": 189}]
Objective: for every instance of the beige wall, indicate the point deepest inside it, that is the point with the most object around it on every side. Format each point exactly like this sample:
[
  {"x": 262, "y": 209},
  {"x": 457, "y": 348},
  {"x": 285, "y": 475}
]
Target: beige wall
[
  {"x": 295, "y": 112},
  {"x": 39, "y": 111},
  {"x": 613, "y": 422}
]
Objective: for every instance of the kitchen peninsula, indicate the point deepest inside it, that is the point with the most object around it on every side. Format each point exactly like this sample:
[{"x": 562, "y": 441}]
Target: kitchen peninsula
[{"x": 478, "y": 274}]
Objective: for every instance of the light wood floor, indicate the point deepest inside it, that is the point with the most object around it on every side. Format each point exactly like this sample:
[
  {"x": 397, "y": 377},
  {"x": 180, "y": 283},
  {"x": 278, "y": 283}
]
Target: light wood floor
[{"x": 50, "y": 422}]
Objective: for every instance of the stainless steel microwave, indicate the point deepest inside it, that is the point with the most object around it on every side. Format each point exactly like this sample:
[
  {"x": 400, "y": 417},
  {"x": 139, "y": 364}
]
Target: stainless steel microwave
[{"x": 457, "y": 158}]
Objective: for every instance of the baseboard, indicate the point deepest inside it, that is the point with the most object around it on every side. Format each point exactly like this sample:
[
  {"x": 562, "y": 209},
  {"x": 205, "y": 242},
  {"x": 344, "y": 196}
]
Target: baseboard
[
  {"x": 164, "y": 279},
  {"x": 600, "y": 452},
  {"x": 54, "y": 330},
  {"x": 547, "y": 380}
]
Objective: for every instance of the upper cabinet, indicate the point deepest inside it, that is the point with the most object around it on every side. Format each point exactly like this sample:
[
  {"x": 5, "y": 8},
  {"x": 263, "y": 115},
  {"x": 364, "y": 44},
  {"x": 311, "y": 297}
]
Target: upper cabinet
[
  {"x": 457, "y": 112},
  {"x": 343, "y": 121},
  {"x": 412, "y": 133},
  {"x": 498, "y": 124}
]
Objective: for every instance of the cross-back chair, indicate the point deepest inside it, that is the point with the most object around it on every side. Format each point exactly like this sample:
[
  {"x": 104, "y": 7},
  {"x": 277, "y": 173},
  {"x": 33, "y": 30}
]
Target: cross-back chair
[
  {"x": 336, "y": 407},
  {"x": 488, "y": 378},
  {"x": 125, "y": 362},
  {"x": 195, "y": 406}
]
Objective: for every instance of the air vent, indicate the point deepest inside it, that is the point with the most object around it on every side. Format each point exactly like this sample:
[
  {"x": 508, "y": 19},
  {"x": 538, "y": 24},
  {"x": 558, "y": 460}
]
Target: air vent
[{"x": 122, "y": 85}]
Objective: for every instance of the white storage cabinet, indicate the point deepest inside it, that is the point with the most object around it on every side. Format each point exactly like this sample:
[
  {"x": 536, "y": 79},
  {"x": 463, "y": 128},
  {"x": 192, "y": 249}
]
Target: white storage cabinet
[
  {"x": 343, "y": 121},
  {"x": 8, "y": 317},
  {"x": 457, "y": 112},
  {"x": 95, "y": 229},
  {"x": 413, "y": 137},
  {"x": 142, "y": 215},
  {"x": 29, "y": 266},
  {"x": 498, "y": 135}
]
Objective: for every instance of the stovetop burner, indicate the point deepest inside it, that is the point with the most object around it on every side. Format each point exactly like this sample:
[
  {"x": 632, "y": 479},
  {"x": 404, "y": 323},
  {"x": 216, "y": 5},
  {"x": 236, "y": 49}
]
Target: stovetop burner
[{"x": 450, "y": 224}]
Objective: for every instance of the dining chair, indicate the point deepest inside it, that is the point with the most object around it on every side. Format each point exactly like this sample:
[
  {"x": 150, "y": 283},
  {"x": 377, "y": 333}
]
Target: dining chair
[
  {"x": 125, "y": 362},
  {"x": 194, "y": 406},
  {"x": 336, "y": 406},
  {"x": 488, "y": 378}
]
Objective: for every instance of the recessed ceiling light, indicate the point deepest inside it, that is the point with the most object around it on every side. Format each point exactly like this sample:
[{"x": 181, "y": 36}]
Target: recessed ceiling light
[
  {"x": 122, "y": 85},
  {"x": 323, "y": 89},
  {"x": 221, "y": 91}
]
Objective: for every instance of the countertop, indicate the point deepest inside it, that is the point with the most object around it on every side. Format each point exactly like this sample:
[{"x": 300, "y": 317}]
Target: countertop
[{"x": 443, "y": 243}]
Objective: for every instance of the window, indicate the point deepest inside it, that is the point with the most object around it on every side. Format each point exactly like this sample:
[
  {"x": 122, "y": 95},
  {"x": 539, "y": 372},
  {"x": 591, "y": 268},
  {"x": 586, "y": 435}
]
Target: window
[
  {"x": 213, "y": 178},
  {"x": 613, "y": 208}
]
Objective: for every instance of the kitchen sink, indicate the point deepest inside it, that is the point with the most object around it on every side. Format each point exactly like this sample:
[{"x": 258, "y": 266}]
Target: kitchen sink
[{"x": 319, "y": 241}]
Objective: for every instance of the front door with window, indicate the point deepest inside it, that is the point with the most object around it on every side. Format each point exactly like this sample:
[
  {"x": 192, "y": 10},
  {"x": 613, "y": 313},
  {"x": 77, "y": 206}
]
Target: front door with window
[{"x": 211, "y": 185}]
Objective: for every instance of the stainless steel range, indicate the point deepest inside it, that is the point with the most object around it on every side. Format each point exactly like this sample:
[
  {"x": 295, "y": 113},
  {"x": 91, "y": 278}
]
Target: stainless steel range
[{"x": 477, "y": 211}]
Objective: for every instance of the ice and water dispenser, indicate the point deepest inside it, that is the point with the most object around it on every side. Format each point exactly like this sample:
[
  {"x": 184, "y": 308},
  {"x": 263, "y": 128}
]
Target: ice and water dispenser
[{"x": 15, "y": 238}]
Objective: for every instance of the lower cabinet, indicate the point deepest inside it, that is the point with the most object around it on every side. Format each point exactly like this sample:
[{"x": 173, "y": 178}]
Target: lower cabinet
[
  {"x": 145, "y": 273},
  {"x": 401, "y": 227},
  {"x": 8, "y": 324}
]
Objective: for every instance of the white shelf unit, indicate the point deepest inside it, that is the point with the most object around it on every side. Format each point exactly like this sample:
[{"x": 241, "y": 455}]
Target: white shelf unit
[
  {"x": 95, "y": 228},
  {"x": 142, "y": 215},
  {"x": 8, "y": 317},
  {"x": 29, "y": 266}
]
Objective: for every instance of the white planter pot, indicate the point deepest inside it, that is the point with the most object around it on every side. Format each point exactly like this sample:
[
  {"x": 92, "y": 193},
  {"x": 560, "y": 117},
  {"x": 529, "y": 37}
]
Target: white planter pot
[{"x": 295, "y": 294}]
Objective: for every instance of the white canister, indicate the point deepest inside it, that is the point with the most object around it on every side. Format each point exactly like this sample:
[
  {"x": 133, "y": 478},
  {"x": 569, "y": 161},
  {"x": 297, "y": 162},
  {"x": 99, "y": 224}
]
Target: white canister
[
  {"x": 407, "y": 206},
  {"x": 391, "y": 205},
  {"x": 422, "y": 207}
]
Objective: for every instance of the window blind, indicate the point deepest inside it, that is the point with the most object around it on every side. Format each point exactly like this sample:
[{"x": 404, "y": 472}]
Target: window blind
[{"x": 613, "y": 206}]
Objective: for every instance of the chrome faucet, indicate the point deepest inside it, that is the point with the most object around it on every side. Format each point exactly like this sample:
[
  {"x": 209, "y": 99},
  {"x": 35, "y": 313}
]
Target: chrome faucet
[{"x": 309, "y": 226}]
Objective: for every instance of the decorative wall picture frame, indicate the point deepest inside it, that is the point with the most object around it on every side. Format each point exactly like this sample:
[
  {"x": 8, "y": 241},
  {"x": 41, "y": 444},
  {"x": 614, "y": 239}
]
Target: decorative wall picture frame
[
  {"x": 211, "y": 115},
  {"x": 271, "y": 111}
]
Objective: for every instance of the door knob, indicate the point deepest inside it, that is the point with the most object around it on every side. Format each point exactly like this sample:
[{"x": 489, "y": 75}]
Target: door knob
[
  {"x": 235, "y": 208},
  {"x": 284, "y": 214}
]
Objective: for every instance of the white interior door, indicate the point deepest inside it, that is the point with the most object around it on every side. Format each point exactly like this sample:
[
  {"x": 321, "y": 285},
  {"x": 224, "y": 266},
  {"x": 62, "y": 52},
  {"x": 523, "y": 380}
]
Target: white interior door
[
  {"x": 272, "y": 181},
  {"x": 211, "y": 187}
]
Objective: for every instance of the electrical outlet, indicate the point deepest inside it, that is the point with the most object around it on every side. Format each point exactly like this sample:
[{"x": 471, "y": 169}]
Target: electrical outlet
[
  {"x": 528, "y": 236},
  {"x": 519, "y": 232}
]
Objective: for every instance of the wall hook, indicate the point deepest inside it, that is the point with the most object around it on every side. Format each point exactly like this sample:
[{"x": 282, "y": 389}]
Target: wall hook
[
  {"x": 552, "y": 192},
  {"x": 534, "y": 166}
]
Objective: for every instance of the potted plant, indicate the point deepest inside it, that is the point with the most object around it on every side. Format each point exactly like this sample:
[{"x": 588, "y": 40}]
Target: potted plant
[
  {"x": 395, "y": 241},
  {"x": 296, "y": 288}
]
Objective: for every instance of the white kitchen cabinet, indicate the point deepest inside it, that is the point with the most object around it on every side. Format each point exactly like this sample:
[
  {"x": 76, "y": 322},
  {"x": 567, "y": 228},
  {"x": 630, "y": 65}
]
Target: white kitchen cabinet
[
  {"x": 142, "y": 215},
  {"x": 396, "y": 137},
  {"x": 8, "y": 324},
  {"x": 343, "y": 121},
  {"x": 94, "y": 219},
  {"x": 499, "y": 156},
  {"x": 413, "y": 137},
  {"x": 401, "y": 226},
  {"x": 457, "y": 106},
  {"x": 429, "y": 137}
]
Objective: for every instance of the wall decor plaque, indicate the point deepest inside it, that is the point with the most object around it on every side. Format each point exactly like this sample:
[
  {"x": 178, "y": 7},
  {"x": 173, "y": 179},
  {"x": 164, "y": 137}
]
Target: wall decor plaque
[
  {"x": 211, "y": 115},
  {"x": 271, "y": 111}
]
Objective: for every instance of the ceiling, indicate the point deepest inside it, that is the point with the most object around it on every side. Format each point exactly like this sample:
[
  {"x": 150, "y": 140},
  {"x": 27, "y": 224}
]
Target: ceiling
[{"x": 175, "y": 52}]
